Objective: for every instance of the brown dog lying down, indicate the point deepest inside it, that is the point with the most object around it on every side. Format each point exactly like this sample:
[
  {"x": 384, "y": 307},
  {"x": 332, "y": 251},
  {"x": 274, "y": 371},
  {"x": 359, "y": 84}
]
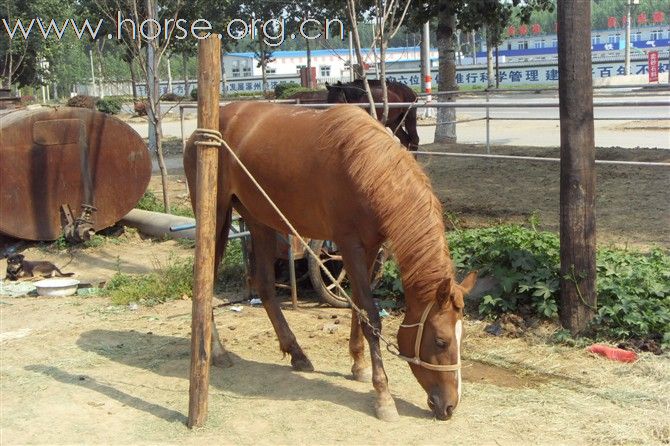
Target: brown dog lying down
[{"x": 18, "y": 267}]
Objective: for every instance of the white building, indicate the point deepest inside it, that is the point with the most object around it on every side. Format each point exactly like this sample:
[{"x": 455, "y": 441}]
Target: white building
[{"x": 330, "y": 64}]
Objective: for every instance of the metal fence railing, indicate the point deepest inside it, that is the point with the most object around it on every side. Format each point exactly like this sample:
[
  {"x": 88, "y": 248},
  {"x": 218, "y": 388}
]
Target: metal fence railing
[{"x": 428, "y": 103}]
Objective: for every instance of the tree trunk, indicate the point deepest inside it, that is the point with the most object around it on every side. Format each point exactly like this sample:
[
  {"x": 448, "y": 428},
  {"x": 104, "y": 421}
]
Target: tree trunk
[
  {"x": 264, "y": 64},
  {"x": 382, "y": 66},
  {"x": 184, "y": 62},
  {"x": 133, "y": 79},
  {"x": 578, "y": 179},
  {"x": 98, "y": 52},
  {"x": 169, "y": 74},
  {"x": 445, "y": 131},
  {"x": 310, "y": 81},
  {"x": 154, "y": 111},
  {"x": 351, "y": 10},
  {"x": 490, "y": 75}
]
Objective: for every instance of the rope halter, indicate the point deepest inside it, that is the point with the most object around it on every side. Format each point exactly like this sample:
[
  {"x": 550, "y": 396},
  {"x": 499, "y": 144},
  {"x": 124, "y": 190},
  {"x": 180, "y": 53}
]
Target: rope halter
[{"x": 417, "y": 347}]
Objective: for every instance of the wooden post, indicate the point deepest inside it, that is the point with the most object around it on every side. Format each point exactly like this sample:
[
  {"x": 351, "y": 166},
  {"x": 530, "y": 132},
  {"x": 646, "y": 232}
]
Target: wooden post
[
  {"x": 578, "y": 176},
  {"x": 209, "y": 80}
]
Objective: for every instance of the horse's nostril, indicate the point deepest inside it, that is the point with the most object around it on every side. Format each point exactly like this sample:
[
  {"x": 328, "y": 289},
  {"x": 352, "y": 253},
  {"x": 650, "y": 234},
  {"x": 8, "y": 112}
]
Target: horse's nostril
[{"x": 449, "y": 410}]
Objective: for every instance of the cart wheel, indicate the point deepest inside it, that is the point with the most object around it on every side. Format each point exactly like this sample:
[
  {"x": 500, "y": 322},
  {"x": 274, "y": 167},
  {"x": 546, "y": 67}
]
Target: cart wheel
[{"x": 326, "y": 288}]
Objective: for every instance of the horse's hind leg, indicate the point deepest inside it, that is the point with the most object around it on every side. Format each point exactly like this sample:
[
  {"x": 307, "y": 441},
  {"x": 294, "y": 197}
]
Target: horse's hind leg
[{"x": 264, "y": 241}]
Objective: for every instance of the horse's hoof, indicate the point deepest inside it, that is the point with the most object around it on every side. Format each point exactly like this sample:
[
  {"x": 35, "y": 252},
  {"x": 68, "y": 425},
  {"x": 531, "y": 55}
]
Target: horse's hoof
[
  {"x": 222, "y": 360},
  {"x": 302, "y": 364},
  {"x": 387, "y": 411},
  {"x": 363, "y": 374}
]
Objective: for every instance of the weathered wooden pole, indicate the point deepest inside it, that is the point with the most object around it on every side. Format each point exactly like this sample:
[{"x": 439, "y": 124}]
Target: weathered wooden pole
[
  {"x": 578, "y": 175},
  {"x": 209, "y": 80}
]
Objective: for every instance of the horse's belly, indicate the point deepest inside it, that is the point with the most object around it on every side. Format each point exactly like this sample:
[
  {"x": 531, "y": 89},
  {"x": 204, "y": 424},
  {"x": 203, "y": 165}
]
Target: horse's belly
[{"x": 302, "y": 204}]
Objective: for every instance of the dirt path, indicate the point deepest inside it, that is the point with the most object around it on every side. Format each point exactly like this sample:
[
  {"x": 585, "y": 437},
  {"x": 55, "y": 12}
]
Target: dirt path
[
  {"x": 79, "y": 371},
  {"x": 632, "y": 205}
]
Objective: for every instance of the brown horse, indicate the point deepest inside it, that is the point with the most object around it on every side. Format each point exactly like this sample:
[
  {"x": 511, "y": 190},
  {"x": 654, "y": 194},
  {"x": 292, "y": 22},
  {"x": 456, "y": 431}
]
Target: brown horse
[
  {"x": 338, "y": 175},
  {"x": 402, "y": 121}
]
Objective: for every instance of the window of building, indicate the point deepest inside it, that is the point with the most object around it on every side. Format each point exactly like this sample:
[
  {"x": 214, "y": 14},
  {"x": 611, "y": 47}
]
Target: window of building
[
  {"x": 298, "y": 67},
  {"x": 246, "y": 71},
  {"x": 325, "y": 70},
  {"x": 613, "y": 38},
  {"x": 538, "y": 44},
  {"x": 656, "y": 35},
  {"x": 636, "y": 36},
  {"x": 595, "y": 40},
  {"x": 522, "y": 45},
  {"x": 554, "y": 43},
  {"x": 236, "y": 72},
  {"x": 270, "y": 70}
]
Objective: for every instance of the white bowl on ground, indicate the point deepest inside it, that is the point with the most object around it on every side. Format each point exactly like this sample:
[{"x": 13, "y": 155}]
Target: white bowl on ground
[{"x": 57, "y": 287}]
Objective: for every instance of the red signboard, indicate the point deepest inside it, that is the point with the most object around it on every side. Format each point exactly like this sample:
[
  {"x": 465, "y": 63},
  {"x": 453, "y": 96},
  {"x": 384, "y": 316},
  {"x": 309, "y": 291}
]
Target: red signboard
[{"x": 653, "y": 66}]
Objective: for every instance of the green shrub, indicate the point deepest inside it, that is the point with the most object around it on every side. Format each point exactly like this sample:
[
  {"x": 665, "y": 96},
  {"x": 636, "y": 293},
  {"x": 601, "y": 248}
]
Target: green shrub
[
  {"x": 634, "y": 294},
  {"x": 524, "y": 262},
  {"x": 194, "y": 94},
  {"x": 281, "y": 87},
  {"x": 150, "y": 202},
  {"x": 289, "y": 92},
  {"x": 168, "y": 282},
  {"x": 633, "y": 287},
  {"x": 82, "y": 101},
  {"x": 111, "y": 106}
]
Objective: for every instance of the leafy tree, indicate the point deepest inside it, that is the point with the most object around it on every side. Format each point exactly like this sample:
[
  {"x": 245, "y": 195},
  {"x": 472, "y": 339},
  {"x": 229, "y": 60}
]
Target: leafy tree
[
  {"x": 466, "y": 15},
  {"x": 21, "y": 56}
]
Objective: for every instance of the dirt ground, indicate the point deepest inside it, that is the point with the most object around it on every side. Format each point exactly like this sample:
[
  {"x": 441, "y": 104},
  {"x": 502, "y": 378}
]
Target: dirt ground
[
  {"x": 632, "y": 205},
  {"x": 78, "y": 370}
]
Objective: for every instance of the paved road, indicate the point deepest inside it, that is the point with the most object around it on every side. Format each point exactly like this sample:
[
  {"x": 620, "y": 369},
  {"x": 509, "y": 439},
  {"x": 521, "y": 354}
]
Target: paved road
[{"x": 638, "y": 126}]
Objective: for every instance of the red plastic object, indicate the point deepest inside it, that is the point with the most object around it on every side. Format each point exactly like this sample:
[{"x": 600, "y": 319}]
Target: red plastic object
[{"x": 616, "y": 354}]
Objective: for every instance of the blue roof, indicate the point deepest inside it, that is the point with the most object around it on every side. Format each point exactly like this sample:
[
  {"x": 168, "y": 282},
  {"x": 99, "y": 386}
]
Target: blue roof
[{"x": 327, "y": 52}]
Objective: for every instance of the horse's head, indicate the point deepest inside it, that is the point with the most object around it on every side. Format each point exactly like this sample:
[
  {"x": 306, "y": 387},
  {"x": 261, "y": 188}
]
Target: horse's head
[
  {"x": 430, "y": 340},
  {"x": 336, "y": 93}
]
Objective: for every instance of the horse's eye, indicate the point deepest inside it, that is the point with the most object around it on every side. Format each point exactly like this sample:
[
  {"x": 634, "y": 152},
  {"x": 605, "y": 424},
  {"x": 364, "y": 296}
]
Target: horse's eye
[{"x": 441, "y": 343}]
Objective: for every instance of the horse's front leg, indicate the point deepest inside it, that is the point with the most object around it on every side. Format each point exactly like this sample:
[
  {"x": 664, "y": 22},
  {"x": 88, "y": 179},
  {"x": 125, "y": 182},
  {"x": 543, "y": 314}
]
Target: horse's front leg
[
  {"x": 355, "y": 261},
  {"x": 360, "y": 370}
]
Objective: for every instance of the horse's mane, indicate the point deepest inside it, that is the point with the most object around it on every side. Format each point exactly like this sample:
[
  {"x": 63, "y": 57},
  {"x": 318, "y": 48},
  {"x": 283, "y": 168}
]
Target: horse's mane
[{"x": 397, "y": 190}]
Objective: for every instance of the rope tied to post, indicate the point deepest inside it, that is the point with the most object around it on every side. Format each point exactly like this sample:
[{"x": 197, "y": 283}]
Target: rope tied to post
[{"x": 209, "y": 138}]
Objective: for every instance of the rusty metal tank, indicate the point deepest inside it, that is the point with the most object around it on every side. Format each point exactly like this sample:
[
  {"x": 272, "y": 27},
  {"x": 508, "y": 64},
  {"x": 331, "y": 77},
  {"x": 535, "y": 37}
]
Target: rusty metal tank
[{"x": 59, "y": 160}]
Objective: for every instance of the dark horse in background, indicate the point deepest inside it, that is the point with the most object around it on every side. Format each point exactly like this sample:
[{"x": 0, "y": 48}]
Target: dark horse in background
[{"x": 402, "y": 121}]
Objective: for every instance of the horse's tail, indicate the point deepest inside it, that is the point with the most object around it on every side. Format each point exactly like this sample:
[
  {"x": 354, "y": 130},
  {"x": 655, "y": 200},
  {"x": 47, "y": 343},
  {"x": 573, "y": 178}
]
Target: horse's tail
[{"x": 410, "y": 127}]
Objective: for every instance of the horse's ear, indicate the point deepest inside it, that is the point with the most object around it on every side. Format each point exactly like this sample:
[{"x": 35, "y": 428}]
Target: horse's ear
[
  {"x": 443, "y": 291},
  {"x": 469, "y": 282},
  {"x": 339, "y": 83},
  {"x": 327, "y": 86}
]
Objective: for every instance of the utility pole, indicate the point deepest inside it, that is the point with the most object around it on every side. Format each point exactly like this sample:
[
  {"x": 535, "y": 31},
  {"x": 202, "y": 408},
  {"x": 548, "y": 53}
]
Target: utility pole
[
  {"x": 351, "y": 57},
  {"x": 426, "y": 78},
  {"x": 627, "y": 57},
  {"x": 578, "y": 174}
]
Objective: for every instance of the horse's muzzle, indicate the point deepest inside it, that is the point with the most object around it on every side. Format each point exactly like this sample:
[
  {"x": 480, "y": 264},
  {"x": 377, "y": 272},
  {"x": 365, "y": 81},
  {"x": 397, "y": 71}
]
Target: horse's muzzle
[{"x": 441, "y": 411}]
